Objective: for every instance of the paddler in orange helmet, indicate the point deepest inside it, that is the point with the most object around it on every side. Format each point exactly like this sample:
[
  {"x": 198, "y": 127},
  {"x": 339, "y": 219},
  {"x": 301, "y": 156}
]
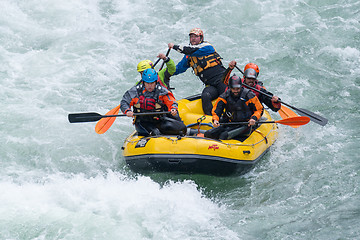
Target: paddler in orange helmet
[{"x": 251, "y": 72}]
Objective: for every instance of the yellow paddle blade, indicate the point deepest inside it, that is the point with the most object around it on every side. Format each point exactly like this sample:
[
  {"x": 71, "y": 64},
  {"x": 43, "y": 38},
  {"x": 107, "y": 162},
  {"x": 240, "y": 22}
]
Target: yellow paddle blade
[
  {"x": 287, "y": 113},
  {"x": 104, "y": 124}
]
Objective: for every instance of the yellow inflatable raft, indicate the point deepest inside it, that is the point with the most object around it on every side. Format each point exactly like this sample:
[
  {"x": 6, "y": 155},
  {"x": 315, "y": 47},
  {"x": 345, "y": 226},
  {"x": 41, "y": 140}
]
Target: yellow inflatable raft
[{"x": 194, "y": 153}]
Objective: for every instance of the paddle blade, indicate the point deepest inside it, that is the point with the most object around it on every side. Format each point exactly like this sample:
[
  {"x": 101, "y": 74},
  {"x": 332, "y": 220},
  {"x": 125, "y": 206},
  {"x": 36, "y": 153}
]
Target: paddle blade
[
  {"x": 294, "y": 121},
  {"x": 84, "y": 117},
  {"x": 287, "y": 113},
  {"x": 104, "y": 124},
  {"x": 313, "y": 116}
]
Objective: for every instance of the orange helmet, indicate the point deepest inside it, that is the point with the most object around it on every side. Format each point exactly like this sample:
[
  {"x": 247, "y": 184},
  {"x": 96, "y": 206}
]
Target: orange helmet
[
  {"x": 253, "y": 66},
  {"x": 197, "y": 32}
]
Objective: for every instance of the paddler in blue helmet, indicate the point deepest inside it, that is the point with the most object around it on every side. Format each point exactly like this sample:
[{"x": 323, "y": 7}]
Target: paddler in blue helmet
[{"x": 150, "y": 96}]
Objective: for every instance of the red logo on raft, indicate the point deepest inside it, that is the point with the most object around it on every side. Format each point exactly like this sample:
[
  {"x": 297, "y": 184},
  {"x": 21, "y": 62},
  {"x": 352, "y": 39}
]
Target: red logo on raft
[{"x": 214, "y": 146}]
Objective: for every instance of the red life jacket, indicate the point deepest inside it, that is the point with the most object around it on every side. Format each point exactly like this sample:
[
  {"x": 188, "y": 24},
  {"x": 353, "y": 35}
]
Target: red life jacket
[
  {"x": 257, "y": 86},
  {"x": 146, "y": 104}
]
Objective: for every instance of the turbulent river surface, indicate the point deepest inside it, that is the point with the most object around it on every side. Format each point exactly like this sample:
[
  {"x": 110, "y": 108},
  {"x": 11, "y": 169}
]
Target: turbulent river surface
[{"x": 63, "y": 181}]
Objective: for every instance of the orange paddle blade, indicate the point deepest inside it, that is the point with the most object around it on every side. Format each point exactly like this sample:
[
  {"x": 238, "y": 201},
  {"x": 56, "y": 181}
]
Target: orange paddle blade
[
  {"x": 294, "y": 121},
  {"x": 104, "y": 124},
  {"x": 287, "y": 113}
]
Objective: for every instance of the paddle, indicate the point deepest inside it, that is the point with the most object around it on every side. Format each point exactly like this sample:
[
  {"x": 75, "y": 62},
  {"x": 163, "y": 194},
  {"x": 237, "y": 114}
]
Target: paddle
[
  {"x": 104, "y": 124},
  {"x": 292, "y": 121},
  {"x": 156, "y": 63},
  {"x": 286, "y": 113},
  {"x": 167, "y": 54},
  {"x": 93, "y": 117},
  {"x": 301, "y": 111}
]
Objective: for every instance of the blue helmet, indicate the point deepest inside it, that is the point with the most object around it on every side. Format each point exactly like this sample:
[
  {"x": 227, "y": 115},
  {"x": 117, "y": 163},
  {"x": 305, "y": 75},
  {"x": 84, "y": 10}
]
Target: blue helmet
[{"x": 149, "y": 75}]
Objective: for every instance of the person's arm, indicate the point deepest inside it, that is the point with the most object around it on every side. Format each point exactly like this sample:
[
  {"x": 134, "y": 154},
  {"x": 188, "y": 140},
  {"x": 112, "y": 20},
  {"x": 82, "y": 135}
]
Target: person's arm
[
  {"x": 168, "y": 71},
  {"x": 125, "y": 102},
  {"x": 272, "y": 103},
  {"x": 218, "y": 110},
  {"x": 182, "y": 66},
  {"x": 128, "y": 100},
  {"x": 169, "y": 100},
  {"x": 255, "y": 106},
  {"x": 200, "y": 50},
  {"x": 226, "y": 76},
  {"x": 170, "y": 66}
]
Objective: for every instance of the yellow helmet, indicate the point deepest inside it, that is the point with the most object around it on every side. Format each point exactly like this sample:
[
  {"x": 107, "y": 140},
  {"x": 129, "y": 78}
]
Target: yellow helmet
[{"x": 143, "y": 65}]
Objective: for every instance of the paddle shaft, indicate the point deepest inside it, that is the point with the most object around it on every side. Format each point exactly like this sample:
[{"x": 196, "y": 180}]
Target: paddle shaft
[
  {"x": 135, "y": 114},
  {"x": 93, "y": 117},
  {"x": 156, "y": 62},
  {"x": 286, "y": 104},
  {"x": 167, "y": 54},
  {"x": 316, "y": 118},
  {"x": 298, "y": 121},
  {"x": 104, "y": 124},
  {"x": 243, "y": 123}
]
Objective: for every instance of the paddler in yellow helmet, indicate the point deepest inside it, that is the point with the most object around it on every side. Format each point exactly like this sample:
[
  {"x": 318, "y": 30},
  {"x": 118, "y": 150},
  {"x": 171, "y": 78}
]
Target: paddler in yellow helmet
[{"x": 164, "y": 74}]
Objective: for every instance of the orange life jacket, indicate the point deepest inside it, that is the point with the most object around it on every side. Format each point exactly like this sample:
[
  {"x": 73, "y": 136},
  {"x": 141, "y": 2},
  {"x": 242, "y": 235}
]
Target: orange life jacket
[{"x": 199, "y": 64}]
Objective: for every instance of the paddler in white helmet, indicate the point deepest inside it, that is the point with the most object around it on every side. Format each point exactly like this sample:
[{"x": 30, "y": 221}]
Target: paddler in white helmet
[{"x": 202, "y": 57}]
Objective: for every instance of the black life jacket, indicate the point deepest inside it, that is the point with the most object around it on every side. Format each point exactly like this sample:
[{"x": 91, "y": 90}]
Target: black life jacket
[{"x": 237, "y": 110}]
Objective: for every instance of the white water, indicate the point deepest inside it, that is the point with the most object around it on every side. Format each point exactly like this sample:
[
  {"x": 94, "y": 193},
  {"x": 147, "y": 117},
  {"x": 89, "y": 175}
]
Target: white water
[{"x": 63, "y": 181}]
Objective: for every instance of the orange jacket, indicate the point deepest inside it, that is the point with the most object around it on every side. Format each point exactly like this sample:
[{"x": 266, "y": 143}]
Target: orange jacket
[{"x": 253, "y": 104}]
